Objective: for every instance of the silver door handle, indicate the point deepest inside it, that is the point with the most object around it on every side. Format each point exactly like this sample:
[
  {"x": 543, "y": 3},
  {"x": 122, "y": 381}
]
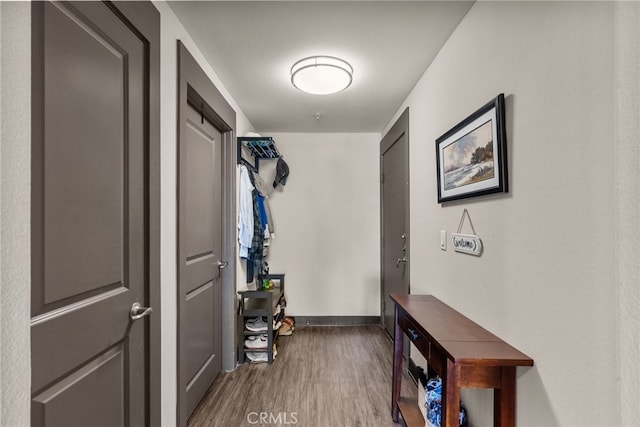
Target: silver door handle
[
  {"x": 403, "y": 260},
  {"x": 138, "y": 311},
  {"x": 222, "y": 264}
]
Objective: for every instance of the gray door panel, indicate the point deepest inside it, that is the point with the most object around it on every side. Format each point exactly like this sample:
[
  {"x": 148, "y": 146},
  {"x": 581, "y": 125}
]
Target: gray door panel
[
  {"x": 199, "y": 330},
  {"x": 88, "y": 181},
  {"x": 66, "y": 339},
  {"x": 201, "y": 233},
  {"x": 395, "y": 216},
  {"x": 81, "y": 390},
  {"x": 201, "y": 248},
  {"x": 89, "y": 262},
  {"x": 202, "y": 139}
]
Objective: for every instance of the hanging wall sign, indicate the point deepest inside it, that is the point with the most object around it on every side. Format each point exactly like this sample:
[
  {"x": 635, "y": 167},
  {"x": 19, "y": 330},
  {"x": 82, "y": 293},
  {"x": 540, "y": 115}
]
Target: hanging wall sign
[{"x": 466, "y": 243}]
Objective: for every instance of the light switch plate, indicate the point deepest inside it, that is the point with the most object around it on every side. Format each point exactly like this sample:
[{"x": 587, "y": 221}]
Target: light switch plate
[{"x": 443, "y": 240}]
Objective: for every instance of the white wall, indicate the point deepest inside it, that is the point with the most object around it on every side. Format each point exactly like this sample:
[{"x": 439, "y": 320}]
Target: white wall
[
  {"x": 627, "y": 185},
  {"x": 1, "y": 257},
  {"x": 15, "y": 193},
  {"x": 545, "y": 282},
  {"x": 327, "y": 220}
]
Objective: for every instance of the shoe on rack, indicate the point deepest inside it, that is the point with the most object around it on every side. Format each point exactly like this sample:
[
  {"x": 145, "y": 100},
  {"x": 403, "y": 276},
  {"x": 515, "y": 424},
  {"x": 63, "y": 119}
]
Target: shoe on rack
[
  {"x": 287, "y": 326},
  {"x": 286, "y": 329},
  {"x": 289, "y": 320},
  {"x": 256, "y": 342},
  {"x": 256, "y": 325},
  {"x": 253, "y": 320},
  {"x": 257, "y": 357}
]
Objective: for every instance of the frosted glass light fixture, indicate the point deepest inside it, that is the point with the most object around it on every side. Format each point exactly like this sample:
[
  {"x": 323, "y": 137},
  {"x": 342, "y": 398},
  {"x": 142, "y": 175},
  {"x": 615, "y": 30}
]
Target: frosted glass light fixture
[{"x": 321, "y": 75}]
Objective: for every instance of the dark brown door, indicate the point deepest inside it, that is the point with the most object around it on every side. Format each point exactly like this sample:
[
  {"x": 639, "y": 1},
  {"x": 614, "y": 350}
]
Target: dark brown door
[
  {"x": 90, "y": 216},
  {"x": 394, "y": 150},
  {"x": 201, "y": 254}
]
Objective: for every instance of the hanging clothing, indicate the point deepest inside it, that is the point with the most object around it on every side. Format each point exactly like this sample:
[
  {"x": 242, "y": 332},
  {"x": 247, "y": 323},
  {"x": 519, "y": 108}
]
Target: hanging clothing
[
  {"x": 282, "y": 173},
  {"x": 262, "y": 189},
  {"x": 245, "y": 212},
  {"x": 255, "y": 256},
  {"x": 263, "y": 213}
]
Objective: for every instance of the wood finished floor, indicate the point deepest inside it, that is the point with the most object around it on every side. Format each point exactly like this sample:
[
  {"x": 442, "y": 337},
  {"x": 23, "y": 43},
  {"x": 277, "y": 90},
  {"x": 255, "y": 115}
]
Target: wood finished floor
[{"x": 322, "y": 377}]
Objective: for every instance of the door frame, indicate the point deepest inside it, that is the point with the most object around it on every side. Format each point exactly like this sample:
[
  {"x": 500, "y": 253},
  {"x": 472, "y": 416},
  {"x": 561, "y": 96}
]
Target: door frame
[
  {"x": 144, "y": 20},
  {"x": 196, "y": 89},
  {"x": 399, "y": 128}
]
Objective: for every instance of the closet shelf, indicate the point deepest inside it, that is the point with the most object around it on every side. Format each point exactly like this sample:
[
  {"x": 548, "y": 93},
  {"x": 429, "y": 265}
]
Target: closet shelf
[{"x": 258, "y": 147}]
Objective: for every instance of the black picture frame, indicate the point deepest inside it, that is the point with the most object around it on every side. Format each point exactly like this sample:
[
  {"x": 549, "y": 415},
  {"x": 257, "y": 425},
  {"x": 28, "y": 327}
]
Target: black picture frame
[{"x": 471, "y": 158}]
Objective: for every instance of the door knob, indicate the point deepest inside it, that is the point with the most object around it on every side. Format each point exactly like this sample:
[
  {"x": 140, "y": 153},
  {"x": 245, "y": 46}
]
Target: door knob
[
  {"x": 138, "y": 311},
  {"x": 222, "y": 264}
]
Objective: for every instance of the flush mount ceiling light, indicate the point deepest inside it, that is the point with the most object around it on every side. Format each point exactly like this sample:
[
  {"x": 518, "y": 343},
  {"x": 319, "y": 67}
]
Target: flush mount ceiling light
[{"x": 321, "y": 75}]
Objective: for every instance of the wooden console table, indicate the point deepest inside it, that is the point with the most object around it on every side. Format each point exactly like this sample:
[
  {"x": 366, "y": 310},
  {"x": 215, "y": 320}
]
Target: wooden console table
[{"x": 464, "y": 355}]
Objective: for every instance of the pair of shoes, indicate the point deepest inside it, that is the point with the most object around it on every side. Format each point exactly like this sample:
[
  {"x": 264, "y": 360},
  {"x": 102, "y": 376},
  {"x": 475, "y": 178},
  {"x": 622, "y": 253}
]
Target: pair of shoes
[
  {"x": 287, "y": 327},
  {"x": 256, "y": 325},
  {"x": 256, "y": 342},
  {"x": 257, "y": 357}
]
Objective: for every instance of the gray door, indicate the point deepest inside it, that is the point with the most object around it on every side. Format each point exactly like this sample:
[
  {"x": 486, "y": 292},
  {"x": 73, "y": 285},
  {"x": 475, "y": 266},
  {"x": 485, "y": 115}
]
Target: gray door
[
  {"x": 394, "y": 150},
  {"x": 90, "y": 248},
  {"x": 206, "y": 224},
  {"x": 200, "y": 255}
]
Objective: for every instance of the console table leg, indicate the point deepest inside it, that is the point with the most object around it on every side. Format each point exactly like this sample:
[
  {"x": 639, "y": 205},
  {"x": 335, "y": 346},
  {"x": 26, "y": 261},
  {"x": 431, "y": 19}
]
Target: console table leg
[
  {"x": 504, "y": 399},
  {"x": 396, "y": 382},
  {"x": 451, "y": 395}
]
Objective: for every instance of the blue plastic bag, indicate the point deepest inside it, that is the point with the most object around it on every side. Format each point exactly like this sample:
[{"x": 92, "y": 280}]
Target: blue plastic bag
[{"x": 434, "y": 403}]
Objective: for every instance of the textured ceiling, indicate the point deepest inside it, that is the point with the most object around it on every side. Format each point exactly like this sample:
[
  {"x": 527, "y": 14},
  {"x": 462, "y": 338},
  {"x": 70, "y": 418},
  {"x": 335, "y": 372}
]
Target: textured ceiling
[{"x": 252, "y": 46}]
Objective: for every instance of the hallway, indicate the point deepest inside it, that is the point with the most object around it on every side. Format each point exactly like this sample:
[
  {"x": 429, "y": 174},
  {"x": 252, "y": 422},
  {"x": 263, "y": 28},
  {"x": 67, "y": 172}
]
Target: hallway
[
  {"x": 558, "y": 276},
  {"x": 323, "y": 376}
]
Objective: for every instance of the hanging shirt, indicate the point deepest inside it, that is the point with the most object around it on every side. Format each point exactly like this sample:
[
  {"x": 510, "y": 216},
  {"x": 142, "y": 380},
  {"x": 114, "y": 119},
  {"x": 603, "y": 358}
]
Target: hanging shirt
[
  {"x": 245, "y": 213},
  {"x": 255, "y": 258},
  {"x": 262, "y": 189},
  {"x": 262, "y": 212}
]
